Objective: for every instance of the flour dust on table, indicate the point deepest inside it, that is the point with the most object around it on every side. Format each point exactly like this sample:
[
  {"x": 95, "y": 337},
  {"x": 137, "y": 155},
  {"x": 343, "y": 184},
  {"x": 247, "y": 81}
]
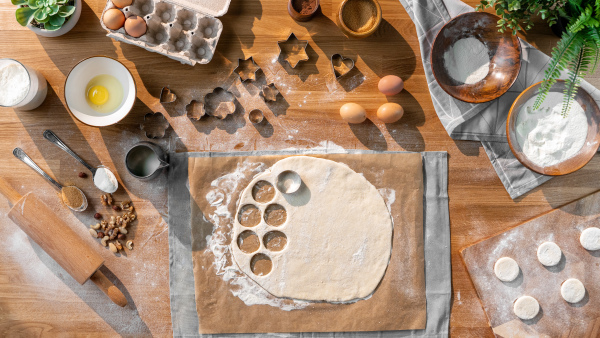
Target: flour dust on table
[
  {"x": 545, "y": 135},
  {"x": 333, "y": 235},
  {"x": 467, "y": 61}
]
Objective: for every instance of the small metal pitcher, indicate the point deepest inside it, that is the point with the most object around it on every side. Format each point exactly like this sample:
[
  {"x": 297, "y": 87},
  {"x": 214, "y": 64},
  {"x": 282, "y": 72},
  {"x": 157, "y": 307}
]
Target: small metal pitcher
[{"x": 145, "y": 160}]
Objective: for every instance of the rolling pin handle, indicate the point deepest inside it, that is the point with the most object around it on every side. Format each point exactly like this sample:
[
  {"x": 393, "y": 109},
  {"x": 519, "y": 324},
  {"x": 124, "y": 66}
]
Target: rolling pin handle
[
  {"x": 9, "y": 192},
  {"x": 109, "y": 288}
]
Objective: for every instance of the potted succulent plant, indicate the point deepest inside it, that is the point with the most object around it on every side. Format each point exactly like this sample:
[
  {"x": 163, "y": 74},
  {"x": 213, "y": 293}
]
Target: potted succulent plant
[
  {"x": 48, "y": 17},
  {"x": 578, "y": 51}
]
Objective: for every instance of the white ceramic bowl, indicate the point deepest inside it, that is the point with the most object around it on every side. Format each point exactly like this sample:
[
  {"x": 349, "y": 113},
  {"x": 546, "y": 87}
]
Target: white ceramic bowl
[{"x": 76, "y": 86}]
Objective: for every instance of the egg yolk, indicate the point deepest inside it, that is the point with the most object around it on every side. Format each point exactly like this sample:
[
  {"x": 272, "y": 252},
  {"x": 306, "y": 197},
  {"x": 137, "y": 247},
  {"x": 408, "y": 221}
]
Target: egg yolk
[{"x": 98, "y": 95}]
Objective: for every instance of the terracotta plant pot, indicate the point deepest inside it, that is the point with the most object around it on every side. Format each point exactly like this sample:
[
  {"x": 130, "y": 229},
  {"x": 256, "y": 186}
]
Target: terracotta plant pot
[{"x": 69, "y": 24}]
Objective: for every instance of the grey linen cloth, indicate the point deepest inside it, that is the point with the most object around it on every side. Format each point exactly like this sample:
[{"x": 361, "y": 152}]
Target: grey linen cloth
[
  {"x": 436, "y": 232},
  {"x": 485, "y": 122}
]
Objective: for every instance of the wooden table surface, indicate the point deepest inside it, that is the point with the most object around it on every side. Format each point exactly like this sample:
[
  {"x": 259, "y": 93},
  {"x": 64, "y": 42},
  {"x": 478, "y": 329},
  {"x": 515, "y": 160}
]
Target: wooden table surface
[{"x": 37, "y": 297}]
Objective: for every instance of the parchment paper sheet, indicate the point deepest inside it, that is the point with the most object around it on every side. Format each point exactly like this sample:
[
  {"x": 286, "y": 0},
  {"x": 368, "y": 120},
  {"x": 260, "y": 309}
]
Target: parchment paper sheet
[
  {"x": 557, "y": 318},
  {"x": 397, "y": 304},
  {"x": 437, "y": 257}
]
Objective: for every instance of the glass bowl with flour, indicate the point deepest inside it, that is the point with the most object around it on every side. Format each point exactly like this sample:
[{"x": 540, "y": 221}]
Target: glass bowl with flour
[
  {"x": 548, "y": 141},
  {"x": 21, "y": 87}
]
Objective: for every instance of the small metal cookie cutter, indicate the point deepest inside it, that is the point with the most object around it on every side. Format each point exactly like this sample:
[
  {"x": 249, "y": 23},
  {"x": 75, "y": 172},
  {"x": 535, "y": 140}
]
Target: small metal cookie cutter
[
  {"x": 256, "y": 116},
  {"x": 246, "y": 69},
  {"x": 288, "y": 53},
  {"x": 155, "y": 125},
  {"x": 340, "y": 68},
  {"x": 167, "y": 96},
  {"x": 195, "y": 110},
  {"x": 270, "y": 92}
]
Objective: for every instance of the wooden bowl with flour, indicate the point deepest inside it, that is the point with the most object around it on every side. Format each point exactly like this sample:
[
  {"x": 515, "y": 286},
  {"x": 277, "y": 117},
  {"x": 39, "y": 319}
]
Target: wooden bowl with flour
[
  {"x": 544, "y": 140},
  {"x": 472, "y": 61}
]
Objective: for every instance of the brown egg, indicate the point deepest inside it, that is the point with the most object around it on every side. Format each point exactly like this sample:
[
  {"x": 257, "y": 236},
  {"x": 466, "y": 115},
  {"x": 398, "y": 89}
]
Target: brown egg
[
  {"x": 122, "y": 3},
  {"x": 113, "y": 19},
  {"x": 390, "y": 112},
  {"x": 135, "y": 26},
  {"x": 353, "y": 113},
  {"x": 391, "y": 85}
]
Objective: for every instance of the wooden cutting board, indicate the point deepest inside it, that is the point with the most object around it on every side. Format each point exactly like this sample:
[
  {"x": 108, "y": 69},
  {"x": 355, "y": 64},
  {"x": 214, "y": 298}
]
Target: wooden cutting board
[{"x": 557, "y": 318}]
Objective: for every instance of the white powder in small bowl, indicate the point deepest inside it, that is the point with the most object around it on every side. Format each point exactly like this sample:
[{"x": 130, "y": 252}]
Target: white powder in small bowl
[
  {"x": 545, "y": 136},
  {"x": 105, "y": 180},
  {"x": 14, "y": 84},
  {"x": 467, "y": 61}
]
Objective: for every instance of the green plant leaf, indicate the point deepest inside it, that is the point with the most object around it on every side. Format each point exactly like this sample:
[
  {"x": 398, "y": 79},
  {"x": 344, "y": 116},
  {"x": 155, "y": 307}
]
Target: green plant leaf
[
  {"x": 19, "y": 2},
  {"x": 33, "y": 4},
  {"x": 56, "y": 20},
  {"x": 66, "y": 11},
  {"x": 560, "y": 56},
  {"x": 24, "y": 15},
  {"x": 41, "y": 15},
  {"x": 573, "y": 82},
  {"x": 49, "y": 27}
]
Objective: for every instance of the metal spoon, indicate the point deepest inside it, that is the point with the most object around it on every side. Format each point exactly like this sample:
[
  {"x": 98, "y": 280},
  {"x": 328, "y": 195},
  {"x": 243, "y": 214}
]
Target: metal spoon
[
  {"x": 50, "y": 136},
  {"x": 20, "y": 154}
]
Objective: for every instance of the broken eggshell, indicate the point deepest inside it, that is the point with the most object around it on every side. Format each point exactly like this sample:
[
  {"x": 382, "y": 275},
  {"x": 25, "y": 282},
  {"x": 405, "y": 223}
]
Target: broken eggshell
[{"x": 155, "y": 125}]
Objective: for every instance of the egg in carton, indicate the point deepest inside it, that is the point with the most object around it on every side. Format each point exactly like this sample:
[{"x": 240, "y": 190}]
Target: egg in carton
[{"x": 183, "y": 30}]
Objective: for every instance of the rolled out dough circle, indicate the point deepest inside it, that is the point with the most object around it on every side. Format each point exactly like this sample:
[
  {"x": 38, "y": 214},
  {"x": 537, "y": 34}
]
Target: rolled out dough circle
[
  {"x": 526, "y": 307},
  {"x": 506, "y": 269},
  {"x": 338, "y": 229},
  {"x": 572, "y": 290},
  {"x": 590, "y": 239},
  {"x": 549, "y": 254}
]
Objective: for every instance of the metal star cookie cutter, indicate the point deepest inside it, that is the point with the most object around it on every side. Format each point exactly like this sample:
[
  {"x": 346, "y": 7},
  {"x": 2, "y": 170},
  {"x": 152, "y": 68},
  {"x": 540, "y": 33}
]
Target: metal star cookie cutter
[
  {"x": 293, "y": 50},
  {"x": 341, "y": 65},
  {"x": 167, "y": 96},
  {"x": 270, "y": 92},
  {"x": 155, "y": 125},
  {"x": 195, "y": 110},
  {"x": 246, "y": 69}
]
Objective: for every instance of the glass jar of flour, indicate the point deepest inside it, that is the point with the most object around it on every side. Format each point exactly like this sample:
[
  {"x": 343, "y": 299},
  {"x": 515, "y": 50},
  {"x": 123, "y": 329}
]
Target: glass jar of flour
[{"x": 21, "y": 87}]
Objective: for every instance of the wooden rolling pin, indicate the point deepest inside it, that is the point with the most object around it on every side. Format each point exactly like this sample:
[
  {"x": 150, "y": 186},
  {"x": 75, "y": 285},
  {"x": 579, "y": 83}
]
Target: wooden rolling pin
[{"x": 59, "y": 241}]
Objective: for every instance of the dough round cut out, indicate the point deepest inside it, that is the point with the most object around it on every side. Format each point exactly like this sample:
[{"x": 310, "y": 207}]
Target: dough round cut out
[
  {"x": 549, "y": 254},
  {"x": 572, "y": 290},
  {"x": 506, "y": 269},
  {"x": 337, "y": 232},
  {"x": 590, "y": 239},
  {"x": 526, "y": 307}
]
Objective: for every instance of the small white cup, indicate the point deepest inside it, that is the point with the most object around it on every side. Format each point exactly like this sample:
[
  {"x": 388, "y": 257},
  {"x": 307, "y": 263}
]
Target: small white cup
[
  {"x": 76, "y": 86},
  {"x": 38, "y": 88}
]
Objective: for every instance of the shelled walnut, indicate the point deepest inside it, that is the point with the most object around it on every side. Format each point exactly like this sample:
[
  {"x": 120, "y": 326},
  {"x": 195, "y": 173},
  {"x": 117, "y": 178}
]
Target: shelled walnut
[
  {"x": 111, "y": 231},
  {"x": 106, "y": 199}
]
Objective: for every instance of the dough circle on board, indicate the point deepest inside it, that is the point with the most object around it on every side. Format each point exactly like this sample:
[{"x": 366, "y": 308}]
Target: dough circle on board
[
  {"x": 590, "y": 239},
  {"x": 526, "y": 307},
  {"x": 338, "y": 234},
  {"x": 572, "y": 290},
  {"x": 549, "y": 254},
  {"x": 506, "y": 269}
]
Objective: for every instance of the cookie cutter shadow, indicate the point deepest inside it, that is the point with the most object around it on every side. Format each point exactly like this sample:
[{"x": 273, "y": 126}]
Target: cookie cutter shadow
[{"x": 558, "y": 267}]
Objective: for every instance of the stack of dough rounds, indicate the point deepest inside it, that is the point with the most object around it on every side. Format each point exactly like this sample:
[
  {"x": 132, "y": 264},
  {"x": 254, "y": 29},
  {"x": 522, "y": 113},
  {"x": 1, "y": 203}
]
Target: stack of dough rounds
[
  {"x": 526, "y": 307},
  {"x": 590, "y": 239},
  {"x": 572, "y": 290},
  {"x": 549, "y": 254},
  {"x": 506, "y": 269}
]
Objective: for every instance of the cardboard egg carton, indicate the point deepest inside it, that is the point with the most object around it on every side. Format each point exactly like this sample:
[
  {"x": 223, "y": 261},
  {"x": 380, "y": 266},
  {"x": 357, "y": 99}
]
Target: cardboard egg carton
[{"x": 183, "y": 30}]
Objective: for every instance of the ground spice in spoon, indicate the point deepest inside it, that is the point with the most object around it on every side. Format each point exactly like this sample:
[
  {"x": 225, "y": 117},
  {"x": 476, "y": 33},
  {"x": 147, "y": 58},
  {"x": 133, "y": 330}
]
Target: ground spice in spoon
[
  {"x": 72, "y": 197},
  {"x": 359, "y": 15},
  {"x": 304, "y": 7}
]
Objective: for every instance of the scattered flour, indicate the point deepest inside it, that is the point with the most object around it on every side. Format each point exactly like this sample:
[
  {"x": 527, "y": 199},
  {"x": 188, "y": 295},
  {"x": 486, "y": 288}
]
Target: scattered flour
[
  {"x": 467, "y": 60},
  {"x": 14, "y": 84},
  {"x": 546, "y": 137}
]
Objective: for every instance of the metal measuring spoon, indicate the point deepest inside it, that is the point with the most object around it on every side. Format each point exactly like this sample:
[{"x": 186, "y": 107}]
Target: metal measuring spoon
[
  {"x": 20, "y": 154},
  {"x": 50, "y": 136}
]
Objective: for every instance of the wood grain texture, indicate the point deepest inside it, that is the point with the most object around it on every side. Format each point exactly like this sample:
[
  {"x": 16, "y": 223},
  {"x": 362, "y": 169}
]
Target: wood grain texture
[{"x": 37, "y": 297}]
